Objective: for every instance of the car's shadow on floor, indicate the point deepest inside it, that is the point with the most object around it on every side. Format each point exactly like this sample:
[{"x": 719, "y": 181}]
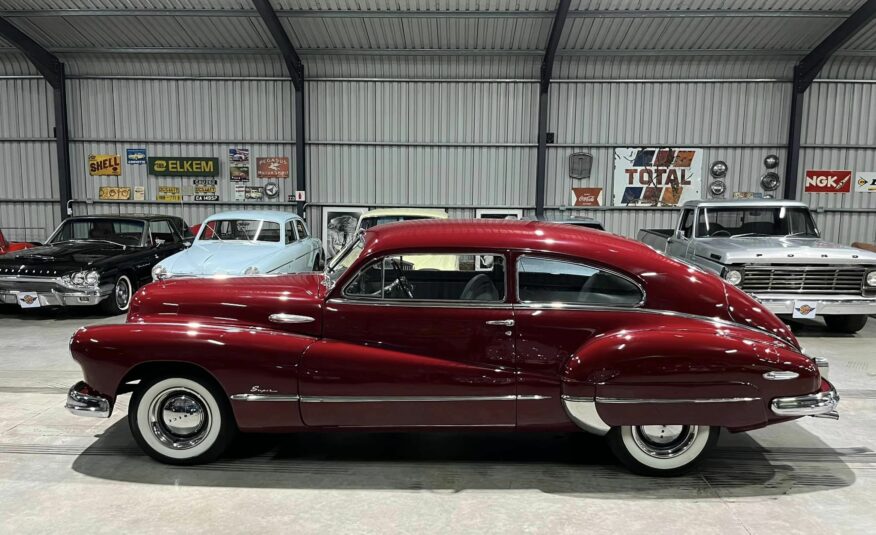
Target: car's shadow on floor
[
  {"x": 454, "y": 462},
  {"x": 816, "y": 328}
]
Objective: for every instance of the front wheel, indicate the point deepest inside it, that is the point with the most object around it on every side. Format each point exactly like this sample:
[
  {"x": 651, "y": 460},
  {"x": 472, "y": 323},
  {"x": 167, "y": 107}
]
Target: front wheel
[
  {"x": 662, "y": 450},
  {"x": 846, "y": 323},
  {"x": 181, "y": 421},
  {"x": 120, "y": 299}
]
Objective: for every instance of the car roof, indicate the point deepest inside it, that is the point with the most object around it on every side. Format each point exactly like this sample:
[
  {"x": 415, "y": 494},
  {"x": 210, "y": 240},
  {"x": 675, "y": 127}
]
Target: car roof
[
  {"x": 267, "y": 215},
  {"x": 413, "y": 212},
  {"x": 141, "y": 217},
  {"x": 493, "y": 234},
  {"x": 743, "y": 203}
]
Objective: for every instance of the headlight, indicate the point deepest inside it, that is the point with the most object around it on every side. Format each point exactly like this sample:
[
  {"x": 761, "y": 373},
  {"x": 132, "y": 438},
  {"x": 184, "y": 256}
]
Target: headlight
[
  {"x": 733, "y": 276},
  {"x": 251, "y": 270},
  {"x": 871, "y": 278},
  {"x": 158, "y": 272},
  {"x": 92, "y": 278},
  {"x": 78, "y": 278}
]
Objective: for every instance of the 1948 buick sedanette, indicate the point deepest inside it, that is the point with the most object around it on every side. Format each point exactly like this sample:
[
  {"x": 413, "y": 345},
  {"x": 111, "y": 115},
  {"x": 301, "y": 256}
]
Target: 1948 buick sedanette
[{"x": 532, "y": 326}]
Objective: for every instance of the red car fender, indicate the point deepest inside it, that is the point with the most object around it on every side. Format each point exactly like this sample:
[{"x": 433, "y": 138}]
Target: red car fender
[
  {"x": 645, "y": 377},
  {"x": 240, "y": 360}
]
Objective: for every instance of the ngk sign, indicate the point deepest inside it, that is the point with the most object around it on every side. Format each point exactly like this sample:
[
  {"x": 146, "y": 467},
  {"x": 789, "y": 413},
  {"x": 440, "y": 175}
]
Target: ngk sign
[{"x": 828, "y": 181}]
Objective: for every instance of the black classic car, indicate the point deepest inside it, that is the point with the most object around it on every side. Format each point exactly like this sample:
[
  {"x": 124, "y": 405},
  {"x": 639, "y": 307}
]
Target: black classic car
[{"x": 91, "y": 260}]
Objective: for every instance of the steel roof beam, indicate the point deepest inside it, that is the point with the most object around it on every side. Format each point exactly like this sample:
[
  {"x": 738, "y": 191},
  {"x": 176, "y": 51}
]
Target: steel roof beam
[
  {"x": 805, "y": 72},
  {"x": 52, "y": 70},
  {"x": 547, "y": 69},
  {"x": 296, "y": 72}
]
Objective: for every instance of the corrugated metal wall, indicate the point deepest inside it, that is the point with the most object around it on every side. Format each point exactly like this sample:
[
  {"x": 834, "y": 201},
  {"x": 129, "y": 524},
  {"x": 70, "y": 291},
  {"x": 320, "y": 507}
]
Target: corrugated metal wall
[{"x": 451, "y": 131}]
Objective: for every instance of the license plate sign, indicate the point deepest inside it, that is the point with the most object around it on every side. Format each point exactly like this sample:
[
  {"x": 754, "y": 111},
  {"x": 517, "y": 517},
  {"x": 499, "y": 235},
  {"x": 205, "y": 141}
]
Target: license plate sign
[
  {"x": 28, "y": 300},
  {"x": 804, "y": 310}
]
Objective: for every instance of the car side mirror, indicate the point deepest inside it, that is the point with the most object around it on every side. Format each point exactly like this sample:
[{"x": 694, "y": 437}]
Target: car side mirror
[{"x": 679, "y": 235}]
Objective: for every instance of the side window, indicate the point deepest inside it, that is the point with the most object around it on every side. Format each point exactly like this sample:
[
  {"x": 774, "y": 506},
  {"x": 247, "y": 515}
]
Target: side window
[
  {"x": 543, "y": 280},
  {"x": 183, "y": 229},
  {"x": 432, "y": 277},
  {"x": 687, "y": 224},
  {"x": 270, "y": 232},
  {"x": 290, "y": 233},
  {"x": 302, "y": 230},
  {"x": 163, "y": 231}
]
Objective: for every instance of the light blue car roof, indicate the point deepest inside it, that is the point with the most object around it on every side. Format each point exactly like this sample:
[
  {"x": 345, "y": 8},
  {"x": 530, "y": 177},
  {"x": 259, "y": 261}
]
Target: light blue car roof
[{"x": 267, "y": 215}]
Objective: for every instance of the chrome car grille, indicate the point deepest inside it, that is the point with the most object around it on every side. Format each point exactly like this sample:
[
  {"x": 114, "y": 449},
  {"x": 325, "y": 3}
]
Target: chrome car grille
[{"x": 804, "y": 279}]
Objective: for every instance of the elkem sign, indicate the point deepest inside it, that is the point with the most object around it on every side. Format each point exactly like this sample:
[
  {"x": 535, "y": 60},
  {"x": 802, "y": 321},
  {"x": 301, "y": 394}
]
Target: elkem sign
[
  {"x": 182, "y": 166},
  {"x": 820, "y": 181}
]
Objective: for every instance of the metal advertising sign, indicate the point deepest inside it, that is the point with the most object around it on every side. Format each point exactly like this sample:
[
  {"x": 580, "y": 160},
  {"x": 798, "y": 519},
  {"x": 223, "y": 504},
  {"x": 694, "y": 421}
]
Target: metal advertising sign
[
  {"x": 587, "y": 196},
  {"x": 254, "y": 193},
  {"x": 169, "y": 194},
  {"x": 865, "y": 182},
  {"x": 183, "y": 166},
  {"x": 204, "y": 189},
  {"x": 114, "y": 193},
  {"x": 104, "y": 165},
  {"x": 139, "y": 193},
  {"x": 656, "y": 176},
  {"x": 136, "y": 156},
  {"x": 272, "y": 190},
  {"x": 272, "y": 167},
  {"x": 820, "y": 181},
  {"x": 239, "y": 168}
]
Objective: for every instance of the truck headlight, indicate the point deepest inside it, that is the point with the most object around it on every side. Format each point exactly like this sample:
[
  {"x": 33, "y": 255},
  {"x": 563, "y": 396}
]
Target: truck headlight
[
  {"x": 158, "y": 272},
  {"x": 251, "y": 270},
  {"x": 871, "y": 278},
  {"x": 92, "y": 278},
  {"x": 733, "y": 276}
]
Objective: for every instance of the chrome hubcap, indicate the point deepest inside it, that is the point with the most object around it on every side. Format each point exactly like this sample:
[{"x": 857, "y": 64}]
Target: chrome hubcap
[
  {"x": 122, "y": 291},
  {"x": 664, "y": 441},
  {"x": 179, "y": 418}
]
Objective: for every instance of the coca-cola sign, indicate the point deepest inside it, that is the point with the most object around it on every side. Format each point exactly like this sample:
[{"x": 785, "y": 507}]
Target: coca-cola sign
[
  {"x": 587, "y": 196},
  {"x": 821, "y": 181}
]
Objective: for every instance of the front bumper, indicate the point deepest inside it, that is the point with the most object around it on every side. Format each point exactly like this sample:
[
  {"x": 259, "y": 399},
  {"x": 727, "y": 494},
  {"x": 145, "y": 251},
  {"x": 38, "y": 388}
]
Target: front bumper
[
  {"x": 825, "y": 305},
  {"x": 822, "y": 403},
  {"x": 82, "y": 400},
  {"x": 55, "y": 298}
]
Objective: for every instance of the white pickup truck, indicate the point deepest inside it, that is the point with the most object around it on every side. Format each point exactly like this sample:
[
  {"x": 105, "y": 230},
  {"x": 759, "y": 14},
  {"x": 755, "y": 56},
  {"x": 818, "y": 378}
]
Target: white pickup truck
[{"x": 773, "y": 250}]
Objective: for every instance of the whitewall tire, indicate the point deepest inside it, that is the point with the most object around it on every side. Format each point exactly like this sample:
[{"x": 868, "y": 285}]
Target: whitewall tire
[
  {"x": 119, "y": 301},
  {"x": 662, "y": 450},
  {"x": 182, "y": 421}
]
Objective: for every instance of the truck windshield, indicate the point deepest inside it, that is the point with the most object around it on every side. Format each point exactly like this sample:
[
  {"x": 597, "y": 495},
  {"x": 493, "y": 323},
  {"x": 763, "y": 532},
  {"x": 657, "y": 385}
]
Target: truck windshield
[
  {"x": 368, "y": 222},
  {"x": 740, "y": 222}
]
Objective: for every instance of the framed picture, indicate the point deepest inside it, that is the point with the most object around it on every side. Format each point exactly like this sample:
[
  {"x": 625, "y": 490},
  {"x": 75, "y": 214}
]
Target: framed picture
[
  {"x": 485, "y": 263},
  {"x": 338, "y": 227}
]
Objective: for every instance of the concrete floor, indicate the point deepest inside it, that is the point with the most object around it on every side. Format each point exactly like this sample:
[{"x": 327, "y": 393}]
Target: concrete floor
[{"x": 60, "y": 472}]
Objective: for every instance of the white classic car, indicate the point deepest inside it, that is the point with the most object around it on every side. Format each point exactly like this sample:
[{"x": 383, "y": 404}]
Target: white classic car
[{"x": 246, "y": 243}]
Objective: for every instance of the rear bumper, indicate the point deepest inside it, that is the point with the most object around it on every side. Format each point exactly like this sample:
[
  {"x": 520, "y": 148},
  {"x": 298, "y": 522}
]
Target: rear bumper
[
  {"x": 824, "y": 305},
  {"x": 82, "y": 400},
  {"x": 822, "y": 403}
]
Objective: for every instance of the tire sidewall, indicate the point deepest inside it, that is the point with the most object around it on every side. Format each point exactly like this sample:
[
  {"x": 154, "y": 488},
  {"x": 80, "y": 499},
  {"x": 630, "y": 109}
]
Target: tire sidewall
[
  {"x": 212, "y": 445},
  {"x": 110, "y": 305},
  {"x": 625, "y": 448}
]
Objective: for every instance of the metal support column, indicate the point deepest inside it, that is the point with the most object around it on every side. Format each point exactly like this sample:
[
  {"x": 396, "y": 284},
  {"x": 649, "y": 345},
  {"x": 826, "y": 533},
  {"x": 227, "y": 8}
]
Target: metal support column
[
  {"x": 547, "y": 67},
  {"x": 805, "y": 72},
  {"x": 53, "y": 71}
]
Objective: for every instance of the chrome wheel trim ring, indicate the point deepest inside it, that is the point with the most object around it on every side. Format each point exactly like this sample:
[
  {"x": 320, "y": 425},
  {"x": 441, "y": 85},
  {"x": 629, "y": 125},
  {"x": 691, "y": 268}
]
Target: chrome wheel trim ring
[
  {"x": 179, "y": 418},
  {"x": 664, "y": 441},
  {"x": 122, "y": 293}
]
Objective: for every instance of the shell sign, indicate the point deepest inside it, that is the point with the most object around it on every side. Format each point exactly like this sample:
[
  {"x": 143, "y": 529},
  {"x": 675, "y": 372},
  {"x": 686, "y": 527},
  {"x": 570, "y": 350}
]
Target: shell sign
[{"x": 104, "y": 165}]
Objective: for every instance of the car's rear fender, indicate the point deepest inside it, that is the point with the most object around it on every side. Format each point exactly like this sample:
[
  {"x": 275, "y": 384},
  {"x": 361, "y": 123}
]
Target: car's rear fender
[
  {"x": 704, "y": 375},
  {"x": 240, "y": 361}
]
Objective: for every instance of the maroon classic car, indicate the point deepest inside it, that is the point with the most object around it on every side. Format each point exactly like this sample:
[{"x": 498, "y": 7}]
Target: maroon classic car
[{"x": 455, "y": 325}]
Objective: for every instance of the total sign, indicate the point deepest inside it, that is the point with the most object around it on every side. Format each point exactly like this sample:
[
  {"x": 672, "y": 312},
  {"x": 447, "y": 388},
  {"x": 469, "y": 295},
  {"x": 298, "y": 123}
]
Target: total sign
[{"x": 828, "y": 181}]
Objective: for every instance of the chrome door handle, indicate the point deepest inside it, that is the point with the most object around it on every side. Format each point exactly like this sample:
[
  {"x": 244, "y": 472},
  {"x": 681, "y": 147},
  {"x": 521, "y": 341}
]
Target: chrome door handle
[
  {"x": 289, "y": 318},
  {"x": 502, "y": 323}
]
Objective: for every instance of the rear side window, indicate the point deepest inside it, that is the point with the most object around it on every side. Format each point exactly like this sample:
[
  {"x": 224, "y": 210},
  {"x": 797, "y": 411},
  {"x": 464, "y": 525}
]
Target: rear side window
[
  {"x": 163, "y": 231},
  {"x": 545, "y": 280},
  {"x": 302, "y": 230},
  {"x": 687, "y": 223},
  {"x": 270, "y": 232}
]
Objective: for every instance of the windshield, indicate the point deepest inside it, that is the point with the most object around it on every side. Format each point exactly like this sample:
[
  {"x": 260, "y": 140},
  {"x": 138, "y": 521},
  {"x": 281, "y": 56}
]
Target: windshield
[
  {"x": 240, "y": 230},
  {"x": 345, "y": 258},
  {"x": 118, "y": 231},
  {"x": 368, "y": 222},
  {"x": 760, "y": 221}
]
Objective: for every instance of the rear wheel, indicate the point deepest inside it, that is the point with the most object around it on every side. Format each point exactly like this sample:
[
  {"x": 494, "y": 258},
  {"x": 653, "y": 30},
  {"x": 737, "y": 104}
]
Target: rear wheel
[
  {"x": 846, "y": 323},
  {"x": 662, "y": 450},
  {"x": 120, "y": 299},
  {"x": 182, "y": 421}
]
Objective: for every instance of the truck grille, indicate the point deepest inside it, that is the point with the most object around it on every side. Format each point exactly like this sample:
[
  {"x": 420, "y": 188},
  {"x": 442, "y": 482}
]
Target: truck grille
[{"x": 804, "y": 279}]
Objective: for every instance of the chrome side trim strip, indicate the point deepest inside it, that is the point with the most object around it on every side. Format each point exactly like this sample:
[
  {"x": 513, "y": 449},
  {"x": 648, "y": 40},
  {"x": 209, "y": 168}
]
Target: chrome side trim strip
[
  {"x": 264, "y": 397},
  {"x": 290, "y": 318},
  {"x": 780, "y": 375},
  {"x": 583, "y": 412},
  {"x": 418, "y": 304},
  {"x": 387, "y": 399},
  {"x": 691, "y": 400}
]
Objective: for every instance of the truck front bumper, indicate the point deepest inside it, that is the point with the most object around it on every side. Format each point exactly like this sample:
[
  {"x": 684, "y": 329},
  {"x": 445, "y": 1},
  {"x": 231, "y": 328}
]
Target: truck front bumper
[{"x": 825, "y": 305}]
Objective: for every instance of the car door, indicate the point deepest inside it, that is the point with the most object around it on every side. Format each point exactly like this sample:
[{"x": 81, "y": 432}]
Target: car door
[
  {"x": 415, "y": 340},
  {"x": 165, "y": 241},
  {"x": 562, "y": 303},
  {"x": 678, "y": 245}
]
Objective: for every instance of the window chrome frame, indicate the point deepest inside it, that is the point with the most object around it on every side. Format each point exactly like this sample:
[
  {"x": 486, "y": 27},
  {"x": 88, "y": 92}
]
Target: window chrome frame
[
  {"x": 438, "y": 303},
  {"x": 573, "y": 304}
]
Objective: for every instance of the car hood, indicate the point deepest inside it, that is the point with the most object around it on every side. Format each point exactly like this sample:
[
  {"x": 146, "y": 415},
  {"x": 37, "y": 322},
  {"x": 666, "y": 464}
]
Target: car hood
[
  {"x": 59, "y": 259},
  {"x": 218, "y": 258},
  {"x": 766, "y": 250}
]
